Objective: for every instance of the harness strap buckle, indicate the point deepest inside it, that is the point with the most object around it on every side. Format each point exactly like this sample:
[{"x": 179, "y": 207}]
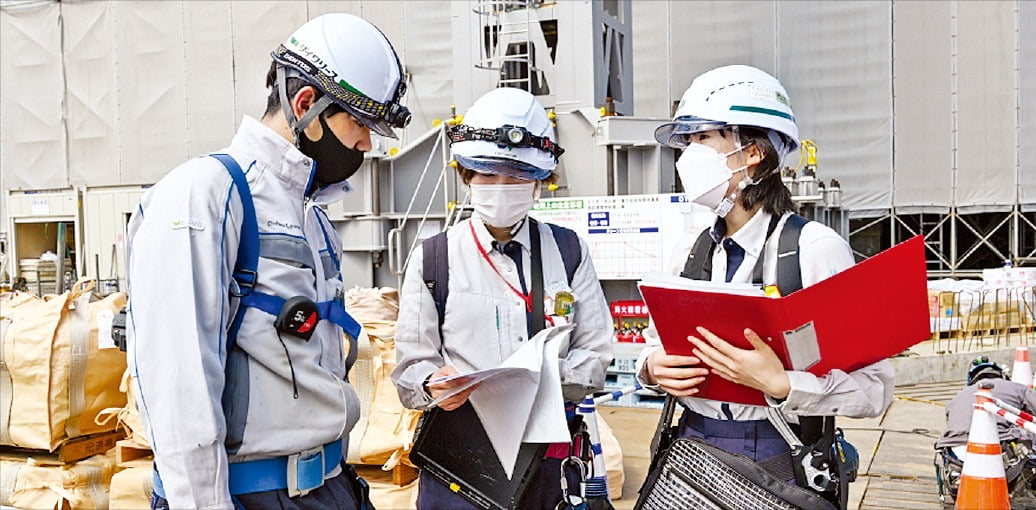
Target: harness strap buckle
[
  {"x": 305, "y": 471},
  {"x": 245, "y": 279}
]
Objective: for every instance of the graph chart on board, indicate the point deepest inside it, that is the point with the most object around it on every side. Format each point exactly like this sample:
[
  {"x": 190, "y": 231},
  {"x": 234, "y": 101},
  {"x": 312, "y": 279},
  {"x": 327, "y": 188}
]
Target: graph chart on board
[{"x": 627, "y": 235}]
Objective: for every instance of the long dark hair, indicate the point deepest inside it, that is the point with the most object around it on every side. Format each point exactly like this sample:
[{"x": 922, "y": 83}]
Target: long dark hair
[{"x": 770, "y": 191}]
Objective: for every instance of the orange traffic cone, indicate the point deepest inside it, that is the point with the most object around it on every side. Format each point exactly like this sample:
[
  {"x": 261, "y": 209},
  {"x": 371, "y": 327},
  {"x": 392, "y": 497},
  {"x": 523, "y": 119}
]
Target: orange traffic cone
[
  {"x": 982, "y": 481},
  {"x": 1021, "y": 372}
]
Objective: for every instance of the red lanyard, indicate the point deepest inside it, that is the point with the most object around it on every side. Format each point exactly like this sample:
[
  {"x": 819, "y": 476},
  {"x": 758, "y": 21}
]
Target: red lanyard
[{"x": 525, "y": 297}]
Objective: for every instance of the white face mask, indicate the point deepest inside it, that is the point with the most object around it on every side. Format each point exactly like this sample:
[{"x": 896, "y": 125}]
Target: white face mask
[
  {"x": 706, "y": 176},
  {"x": 503, "y": 205}
]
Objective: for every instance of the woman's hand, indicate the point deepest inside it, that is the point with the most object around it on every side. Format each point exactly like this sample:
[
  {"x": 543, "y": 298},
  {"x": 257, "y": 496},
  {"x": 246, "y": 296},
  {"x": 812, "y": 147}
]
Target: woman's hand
[
  {"x": 436, "y": 389},
  {"x": 677, "y": 375},
  {"x": 758, "y": 368}
]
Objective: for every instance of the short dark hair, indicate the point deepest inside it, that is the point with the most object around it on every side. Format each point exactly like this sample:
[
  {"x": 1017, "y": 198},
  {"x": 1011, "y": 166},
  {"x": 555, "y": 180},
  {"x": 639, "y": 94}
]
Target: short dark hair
[
  {"x": 293, "y": 86},
  {"x": 770, "y": 191}
]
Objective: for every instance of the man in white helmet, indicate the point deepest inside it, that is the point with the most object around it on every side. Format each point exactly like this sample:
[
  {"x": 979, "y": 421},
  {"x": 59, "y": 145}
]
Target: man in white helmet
[
  {"x": 489, "y": 302},
  {"x": 236, "y": 318},
  {"x": 735, "y": 125}
]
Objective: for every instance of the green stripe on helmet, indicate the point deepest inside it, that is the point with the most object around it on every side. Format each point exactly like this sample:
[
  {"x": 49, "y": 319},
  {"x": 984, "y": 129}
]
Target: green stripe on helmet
[
  {"x": 345, "y": 85},
  {"x": 765, "y": 111}
]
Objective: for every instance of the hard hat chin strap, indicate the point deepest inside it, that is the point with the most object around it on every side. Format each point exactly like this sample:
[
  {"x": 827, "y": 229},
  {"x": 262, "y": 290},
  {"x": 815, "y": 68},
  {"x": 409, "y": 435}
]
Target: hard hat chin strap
[{"x": 298, "y": 125}]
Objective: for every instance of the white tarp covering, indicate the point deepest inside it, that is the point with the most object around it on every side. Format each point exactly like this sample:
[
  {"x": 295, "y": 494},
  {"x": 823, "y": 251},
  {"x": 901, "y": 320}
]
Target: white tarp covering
[
  {"x": 833, "y": 57},
  {"x": 986, "y": 173},
  {"x": 91, "y": 93},
  {"x": 146, "y": 85},
  {"x": 924, "y": 108},
  {"x": 33, "y": 133},
  {"x": 257, "y": 28},
  {"x": 705, "y": 35},
  {"x": 835, "y": 60},
  {"x": 1027, "y": 105},
  {"x": 151, "y": 84}
]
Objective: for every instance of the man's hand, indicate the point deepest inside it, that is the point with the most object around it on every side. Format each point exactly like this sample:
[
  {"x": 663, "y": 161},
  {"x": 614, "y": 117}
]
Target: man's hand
[
  {"x": 758, "y": 368},
  {"x": 677, "y": 375},
  {"x": 436, "y": 389}
]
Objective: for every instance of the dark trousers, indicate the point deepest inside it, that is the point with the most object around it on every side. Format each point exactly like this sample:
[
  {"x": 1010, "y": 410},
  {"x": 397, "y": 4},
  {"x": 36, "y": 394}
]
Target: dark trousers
[
  {"x": 543, "y": 492},
  {"x": 343, "y": 492},
  {"x": 755, "y": 439}
]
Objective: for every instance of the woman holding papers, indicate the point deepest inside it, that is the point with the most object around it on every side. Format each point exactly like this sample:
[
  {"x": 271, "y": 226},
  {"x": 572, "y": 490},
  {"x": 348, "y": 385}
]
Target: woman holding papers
[
  {"x": 502, "y": 269},
  {"x": 735, "y": 125}
]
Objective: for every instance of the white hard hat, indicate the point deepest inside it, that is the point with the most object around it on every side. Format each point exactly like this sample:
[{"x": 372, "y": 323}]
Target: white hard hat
[
  {"x": 351, "y": 61},
  {"x": 506, "y": 132},
  {"x": 736, "y": 95}
]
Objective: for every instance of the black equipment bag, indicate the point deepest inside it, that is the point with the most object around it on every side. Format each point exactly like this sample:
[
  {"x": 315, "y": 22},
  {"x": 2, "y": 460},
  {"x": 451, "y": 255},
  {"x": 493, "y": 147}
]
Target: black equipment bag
[{"x": 691, "y": 473}]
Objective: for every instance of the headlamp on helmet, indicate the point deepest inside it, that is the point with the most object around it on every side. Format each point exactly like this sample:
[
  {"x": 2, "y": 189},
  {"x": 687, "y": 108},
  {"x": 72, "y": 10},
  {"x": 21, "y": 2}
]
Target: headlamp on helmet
[{"x": 510, "y": 136}]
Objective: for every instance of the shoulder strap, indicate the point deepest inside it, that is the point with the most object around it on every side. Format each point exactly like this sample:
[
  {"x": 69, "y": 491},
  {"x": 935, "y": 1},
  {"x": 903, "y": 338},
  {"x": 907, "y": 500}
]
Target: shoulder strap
[
  {"x": 436, "y": 271},
  {"x": 789, "y": 273},
  {"x": 538, "y": 320},
  {"x": 247, "y": 264},
  {"x": 699, "y": 260},
  {"x": 571, "y": 250},
  {"x": 757, "y": 271}
]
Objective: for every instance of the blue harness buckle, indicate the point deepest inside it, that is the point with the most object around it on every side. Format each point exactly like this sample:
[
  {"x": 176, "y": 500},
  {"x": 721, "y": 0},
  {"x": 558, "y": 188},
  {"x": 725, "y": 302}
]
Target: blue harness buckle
[{"x": 305, "y": 471}]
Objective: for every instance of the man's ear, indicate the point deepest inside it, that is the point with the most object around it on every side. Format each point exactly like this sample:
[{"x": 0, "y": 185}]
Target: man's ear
[{"x": 303, "y": 101}]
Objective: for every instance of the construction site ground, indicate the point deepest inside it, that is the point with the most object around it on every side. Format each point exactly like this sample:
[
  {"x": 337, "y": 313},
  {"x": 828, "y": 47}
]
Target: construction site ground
[{"x": 896, "y": 448}]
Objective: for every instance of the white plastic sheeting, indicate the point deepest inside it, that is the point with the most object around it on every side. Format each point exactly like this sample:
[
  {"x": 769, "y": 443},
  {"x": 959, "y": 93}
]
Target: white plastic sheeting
[
  {"x": 1027, "y": 106},
  {"x": 104, "y": 92},
  {"x": 140, "y": 86},
  {"x": 986, "y": 174},
  {"x": 833, "y": 57},
  {"x": 923, "y": 105},
  {"x": 835, "y": 60},
  {"x": 33, "y": 133}
]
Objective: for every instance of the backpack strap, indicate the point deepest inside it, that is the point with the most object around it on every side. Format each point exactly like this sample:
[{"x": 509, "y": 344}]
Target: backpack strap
[
  {"x": 571, "y": 250},
  {"x": 789, "y": 272},
  {"x": 247, "y": 264},
  {"x": 436, "y": 271},
  {"x": 699, "y": 260},
  {"x": 536, "y": 290}
]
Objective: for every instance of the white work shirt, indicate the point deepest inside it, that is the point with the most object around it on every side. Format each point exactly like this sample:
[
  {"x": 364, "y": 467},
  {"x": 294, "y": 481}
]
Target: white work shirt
[
  {"x": 822, "y": 253},
  {"x": 485, "y": 321}
]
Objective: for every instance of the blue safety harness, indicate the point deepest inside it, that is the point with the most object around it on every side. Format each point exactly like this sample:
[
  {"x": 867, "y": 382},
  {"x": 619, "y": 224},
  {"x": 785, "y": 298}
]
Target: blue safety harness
[
  {"x": 247, "y": 266},
  {"x": 304, "y": 471}
]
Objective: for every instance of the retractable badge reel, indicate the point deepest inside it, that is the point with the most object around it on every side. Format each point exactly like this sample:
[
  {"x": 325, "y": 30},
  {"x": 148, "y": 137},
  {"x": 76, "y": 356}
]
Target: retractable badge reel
[{"x": 298, "y": 317}]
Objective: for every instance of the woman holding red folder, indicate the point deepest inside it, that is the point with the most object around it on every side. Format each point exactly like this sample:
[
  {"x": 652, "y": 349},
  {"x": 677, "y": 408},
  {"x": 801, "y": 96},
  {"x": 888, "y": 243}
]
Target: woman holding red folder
[{"x": 735, "y": 125}]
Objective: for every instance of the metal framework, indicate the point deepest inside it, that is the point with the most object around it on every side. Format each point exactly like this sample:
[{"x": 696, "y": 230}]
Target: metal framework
[{"x": 958, "y": 244}]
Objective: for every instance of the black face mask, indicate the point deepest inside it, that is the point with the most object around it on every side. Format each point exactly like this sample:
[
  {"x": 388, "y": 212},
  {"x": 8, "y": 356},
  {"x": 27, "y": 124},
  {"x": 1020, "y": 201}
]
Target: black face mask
[{"x": 335, "y": 162}]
